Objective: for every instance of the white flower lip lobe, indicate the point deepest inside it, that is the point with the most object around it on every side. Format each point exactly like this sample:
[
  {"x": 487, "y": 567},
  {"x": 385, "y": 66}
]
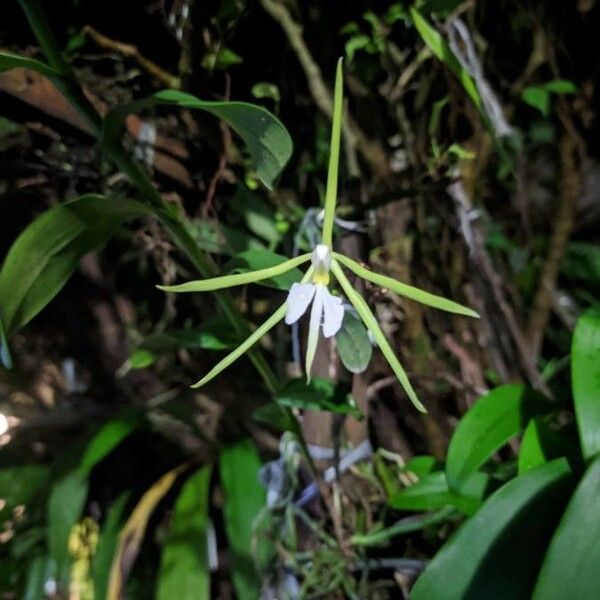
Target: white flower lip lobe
[{"x": 329, "y": 306}]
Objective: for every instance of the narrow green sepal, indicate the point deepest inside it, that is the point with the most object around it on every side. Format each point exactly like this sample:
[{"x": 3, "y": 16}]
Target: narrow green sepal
[
  {"x": 334, "y": 156},
  {"x": 372, "y": 325},
  {"x": 244, "y": 347},
  {"x": 408, "y": 291},
  {"x": 227, "y": 281}
]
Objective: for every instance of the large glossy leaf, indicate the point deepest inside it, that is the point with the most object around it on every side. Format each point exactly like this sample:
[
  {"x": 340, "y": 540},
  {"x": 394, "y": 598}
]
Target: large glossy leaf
[
  {"x": 542, "y": 442},
  {"x": 496, "y": 554},
  {"x": 489, "y": 424},
  {"x": 244, "y": 499},
  {"x": 184, "y": 572},
  {"x": 267, "y": 140},
  {"x": 44, "y": 256},
  {"x": 585, "y": 360},
  {"x": 570, "y": 569}
]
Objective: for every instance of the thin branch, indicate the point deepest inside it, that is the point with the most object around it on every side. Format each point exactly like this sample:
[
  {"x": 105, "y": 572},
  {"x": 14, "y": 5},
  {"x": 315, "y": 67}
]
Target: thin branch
[
  {"x": 131, "y": 51},
  {"x": 372, "y": 152}
]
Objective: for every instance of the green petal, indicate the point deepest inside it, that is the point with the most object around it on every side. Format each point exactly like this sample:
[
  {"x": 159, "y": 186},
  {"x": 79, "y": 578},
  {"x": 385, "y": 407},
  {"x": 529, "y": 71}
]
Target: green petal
[
  {"x": 405, "y": 290},
  {"x": 245, "y": 346},
  {"x": 373, "y": 326},
  {"x": 226, "y": 281},
  {"x": 334, "y": 157}
]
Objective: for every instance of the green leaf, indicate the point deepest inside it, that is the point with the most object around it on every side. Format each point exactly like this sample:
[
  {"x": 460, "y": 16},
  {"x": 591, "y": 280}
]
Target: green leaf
[
  {"x": 248, "y": 263},
  {"x": 40, "y": 570},
  {"x": 353, "y": 344},
  {"x": 538, "y": 97},
  {"x": 276, "y": 416},
  {"x": 496, "y": 554},
  {"x": 184, "y": 572},
  {"x": 265, "y": 89},
  {"x": 582, "y": 262},
  {"x": 220, "y": 238},
  {"x": 531, "y": 452},
  {"x": 371, "y": 323},
  {"x": 8, "y": 61},
  {"x": 585, "y": 366},
  {"x": 544, "y": 441},
  {"x": 438, "y": 45},
  {"x": 213, "y": 334},
  {"x": 561, "y": 86},
  {"x": 493, "y": 420},
  {"x": 107, "y": 544},
  {"x": 258, "y": 216},
  {"x": 570, "y": 568},
  {"x": 107, "y": 438},
  {"x": 5, "y": 357},
  {"x": 403, "y": 527},
  {"x": 141, "y": 359},
  {"x": 221, "y": 60},
  {"x": 67, "y": 498},
  {"x": 267, "y": 140},
  {"x": 44, "y": 256},
  {"x": 65, "y": 506},
  {"x": 405, "y": 290},
  {"x": 432, "y": 492},
  {"x": 319, "y": 394},
  {"x": 19, "y": 485},
  {"x": 244, "y": 500},
  {"x": 422, "y": 465}
]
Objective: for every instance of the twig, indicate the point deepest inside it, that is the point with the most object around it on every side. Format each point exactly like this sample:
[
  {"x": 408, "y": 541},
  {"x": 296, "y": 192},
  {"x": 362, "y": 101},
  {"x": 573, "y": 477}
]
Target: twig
[
  {"x": 372, "y": 152},
  {"x": 131, "y": 51},
  {"x": 226, "y": 136},
  {"x": 473, "y": 237},
  {"x": 563, "y": 226}
]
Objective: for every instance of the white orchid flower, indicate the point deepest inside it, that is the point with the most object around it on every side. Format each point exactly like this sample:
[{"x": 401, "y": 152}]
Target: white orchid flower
[{"x": 327, "y": 309}]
